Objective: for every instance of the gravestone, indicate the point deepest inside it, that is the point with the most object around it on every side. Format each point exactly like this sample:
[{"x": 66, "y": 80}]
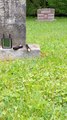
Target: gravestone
[
  {"x": 12, "y": 20},
  {"x": 46, "y": 14},
  {"x": 13, "y": 31}
]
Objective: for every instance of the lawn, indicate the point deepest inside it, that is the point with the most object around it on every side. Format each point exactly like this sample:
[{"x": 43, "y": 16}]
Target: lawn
[{"x": 35, "y": 89}]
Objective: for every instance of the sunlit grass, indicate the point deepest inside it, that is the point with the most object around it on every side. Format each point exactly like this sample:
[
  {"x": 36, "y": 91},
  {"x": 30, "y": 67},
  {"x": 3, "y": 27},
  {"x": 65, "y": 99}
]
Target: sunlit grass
[{"x": 35, "y": 89}]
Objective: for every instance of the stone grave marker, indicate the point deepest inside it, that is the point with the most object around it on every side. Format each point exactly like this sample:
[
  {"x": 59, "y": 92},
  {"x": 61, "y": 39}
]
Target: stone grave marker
[
  {"x": 12, "y": 20},
  {"x": 13, "y": 31},
  {"x": 45, "y": 14}
]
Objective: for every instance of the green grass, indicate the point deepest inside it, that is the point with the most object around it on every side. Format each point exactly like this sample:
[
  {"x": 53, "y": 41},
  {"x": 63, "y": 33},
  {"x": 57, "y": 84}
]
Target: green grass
[{"x": 35, "y": 89}]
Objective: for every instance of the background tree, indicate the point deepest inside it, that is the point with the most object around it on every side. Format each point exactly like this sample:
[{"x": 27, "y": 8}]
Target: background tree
[{"x": 59, "y": 5}]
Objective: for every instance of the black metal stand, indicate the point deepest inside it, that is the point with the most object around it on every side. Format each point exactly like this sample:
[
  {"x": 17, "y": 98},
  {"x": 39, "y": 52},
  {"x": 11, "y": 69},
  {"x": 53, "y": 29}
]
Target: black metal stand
[{"x": 6, "y": 42}]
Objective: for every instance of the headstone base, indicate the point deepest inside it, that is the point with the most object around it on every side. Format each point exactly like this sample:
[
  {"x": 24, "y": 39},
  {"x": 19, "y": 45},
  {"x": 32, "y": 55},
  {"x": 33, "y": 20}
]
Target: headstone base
[{"x": 10, "y": 54}]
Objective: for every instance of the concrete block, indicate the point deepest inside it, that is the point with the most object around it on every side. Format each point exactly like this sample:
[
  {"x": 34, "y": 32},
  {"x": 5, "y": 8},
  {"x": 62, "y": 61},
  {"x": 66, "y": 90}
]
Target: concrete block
[{"x": 10, "y": 54}]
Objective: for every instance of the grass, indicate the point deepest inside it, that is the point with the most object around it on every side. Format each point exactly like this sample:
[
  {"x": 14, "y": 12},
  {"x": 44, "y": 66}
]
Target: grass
[{"x": 35, "y": 89}]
